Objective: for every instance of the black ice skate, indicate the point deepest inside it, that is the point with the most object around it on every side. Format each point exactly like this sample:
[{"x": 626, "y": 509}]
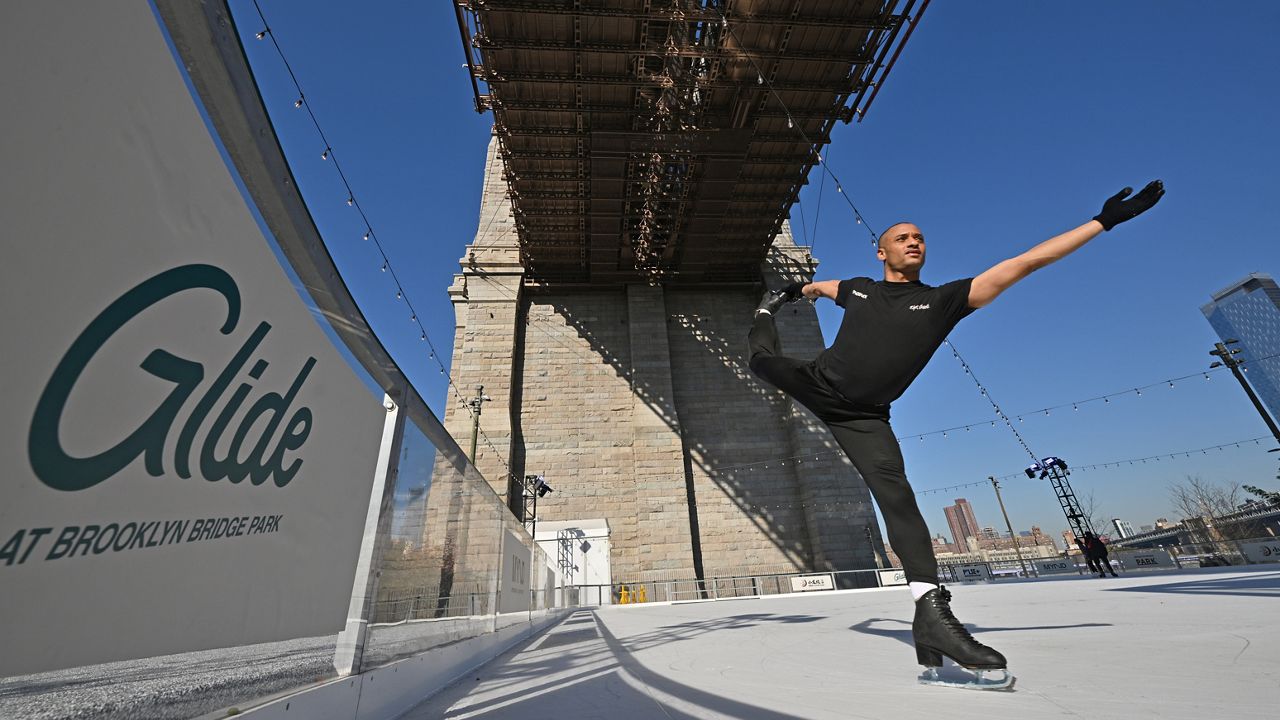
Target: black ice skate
[{"x": 937, "y": 632}]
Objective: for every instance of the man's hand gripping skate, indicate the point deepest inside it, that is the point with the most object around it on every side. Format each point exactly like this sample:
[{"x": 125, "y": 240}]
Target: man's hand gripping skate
[{"x": 774, "y": 299}]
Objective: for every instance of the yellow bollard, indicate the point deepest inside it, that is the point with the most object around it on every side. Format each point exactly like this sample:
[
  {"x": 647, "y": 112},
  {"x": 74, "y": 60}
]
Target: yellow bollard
[
  {"x": 623, "y": 596},
  {"x": 641, "y": 595}
]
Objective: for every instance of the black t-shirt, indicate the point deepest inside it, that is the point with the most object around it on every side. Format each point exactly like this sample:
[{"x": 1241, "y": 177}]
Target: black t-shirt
[{"x": 889, "y": 332}]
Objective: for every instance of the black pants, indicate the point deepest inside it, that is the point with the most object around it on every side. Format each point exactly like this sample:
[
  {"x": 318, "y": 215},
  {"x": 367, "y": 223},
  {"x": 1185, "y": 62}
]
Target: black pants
[
  {"x": 863, "y": 432},
  {"x": 1104, "y": 566}
]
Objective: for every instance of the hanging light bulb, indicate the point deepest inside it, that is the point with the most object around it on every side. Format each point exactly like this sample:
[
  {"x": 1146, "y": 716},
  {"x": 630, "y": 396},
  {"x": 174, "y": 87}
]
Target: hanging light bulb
[
  {"x": 261, "y": 33},
  {"x": 424, "y": 336},
  {"x": 350, "y": 200},
  {"x": 298, "y": 103},
  {"x": 367, "y": 233},
  {"x": 1170, "y": 383},
  {"x": 399, "y": 294},
  {"x": 384, "y": 266},
  {"x": 1138, "y": 391},
  {"x": 1075, "y": 407},
  {"x": 325, "y": 155},
  {"x": 413, "y": 318}
]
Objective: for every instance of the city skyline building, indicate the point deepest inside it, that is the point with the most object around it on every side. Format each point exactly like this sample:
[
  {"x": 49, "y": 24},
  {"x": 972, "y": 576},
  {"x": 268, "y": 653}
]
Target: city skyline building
[
  {"x": 963, "y": 523},
  {"x": 1123, "y": 528},
  {"x": 1248, "y": 310}
]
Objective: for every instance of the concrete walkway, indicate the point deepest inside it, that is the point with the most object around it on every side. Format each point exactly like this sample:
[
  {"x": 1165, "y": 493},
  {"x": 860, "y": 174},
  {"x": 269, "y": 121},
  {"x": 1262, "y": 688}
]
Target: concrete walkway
[{"x": 1195, "y": 644}]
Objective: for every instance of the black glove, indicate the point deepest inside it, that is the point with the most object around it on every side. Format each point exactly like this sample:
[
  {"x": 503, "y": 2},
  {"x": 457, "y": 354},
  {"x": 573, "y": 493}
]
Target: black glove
[
  {"x": 1116, "y": 209},
  {"x": 793, "y": 291}
]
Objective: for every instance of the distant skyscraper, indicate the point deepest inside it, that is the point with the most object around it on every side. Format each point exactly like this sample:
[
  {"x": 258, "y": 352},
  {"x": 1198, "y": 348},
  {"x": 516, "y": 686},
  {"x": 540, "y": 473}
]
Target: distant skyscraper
[
  {"x": 1123, "y": 528},
  {"x": 963, "y": 524},
  {"x": 1249, "y": 311}
]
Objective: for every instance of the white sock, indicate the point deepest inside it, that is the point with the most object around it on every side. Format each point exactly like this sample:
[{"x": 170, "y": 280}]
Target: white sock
[{"x": 918, "y": 589}]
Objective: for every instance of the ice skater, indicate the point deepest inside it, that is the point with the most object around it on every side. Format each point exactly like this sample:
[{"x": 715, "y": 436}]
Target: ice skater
[
  {"x": 1098, "y": 552},
  {"x": 890, "y": 330}
]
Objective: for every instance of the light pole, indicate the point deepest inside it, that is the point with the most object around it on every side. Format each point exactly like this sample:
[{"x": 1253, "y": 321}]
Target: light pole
[
  {"x": 535, "y": 486},
  {"x": 1016, "y": 547},
  {"x": 1227, "y": 358},
  {"x": 476, "y": 404},
  {"x": 1055, "y": 470},
  {"x": 882, "y": 561}
]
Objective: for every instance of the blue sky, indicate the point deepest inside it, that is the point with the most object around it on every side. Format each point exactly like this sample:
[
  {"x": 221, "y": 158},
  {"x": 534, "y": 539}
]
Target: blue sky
[{"x": 999, "y": 127}]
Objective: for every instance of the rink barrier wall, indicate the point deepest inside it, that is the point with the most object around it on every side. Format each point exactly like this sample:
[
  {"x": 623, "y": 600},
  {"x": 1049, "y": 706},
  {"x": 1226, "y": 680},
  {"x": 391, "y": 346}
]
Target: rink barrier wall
[
  {"x": 391, "y": 690},
  {"x": 433, "y": 527}
]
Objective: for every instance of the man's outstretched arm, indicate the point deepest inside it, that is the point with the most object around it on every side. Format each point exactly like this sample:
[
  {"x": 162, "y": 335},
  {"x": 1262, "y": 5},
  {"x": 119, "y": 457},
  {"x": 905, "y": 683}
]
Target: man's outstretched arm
[
  {"x": 1000, "y": 277},
  {"x": 814, "y": 290},
  {"x": 824, "y": 289}
]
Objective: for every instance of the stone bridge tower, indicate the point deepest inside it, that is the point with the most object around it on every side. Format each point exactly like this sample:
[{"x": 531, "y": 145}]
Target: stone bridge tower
[{"x": 636, "y": 403}]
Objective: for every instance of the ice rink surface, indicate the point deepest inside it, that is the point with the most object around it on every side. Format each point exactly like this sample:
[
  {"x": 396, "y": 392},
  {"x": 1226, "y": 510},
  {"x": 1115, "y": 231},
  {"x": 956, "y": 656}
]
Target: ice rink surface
[{"x": 1196, "y": 644}]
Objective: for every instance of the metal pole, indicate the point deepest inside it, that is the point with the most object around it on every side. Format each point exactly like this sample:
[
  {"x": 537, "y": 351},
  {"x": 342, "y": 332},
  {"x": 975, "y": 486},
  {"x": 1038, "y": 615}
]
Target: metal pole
[
  {"x": 1228, "y": 358},
  {"x": 1016, "y": 548},
  {"x": 875, "y": 552},
  {"x": 475, "y": 432},
  {"x": 477, "y": 405}
]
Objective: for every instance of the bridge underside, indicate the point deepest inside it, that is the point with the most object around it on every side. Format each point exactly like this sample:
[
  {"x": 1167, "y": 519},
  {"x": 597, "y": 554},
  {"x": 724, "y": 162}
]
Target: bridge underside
[{"x": 665, "y": 140}]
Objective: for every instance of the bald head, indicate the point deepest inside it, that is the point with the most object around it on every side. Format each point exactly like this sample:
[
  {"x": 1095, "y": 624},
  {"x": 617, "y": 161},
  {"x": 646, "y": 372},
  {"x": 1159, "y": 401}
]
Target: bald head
[
  {"x": 898, "y": 228},
  {"x": 901, "y": 249}
]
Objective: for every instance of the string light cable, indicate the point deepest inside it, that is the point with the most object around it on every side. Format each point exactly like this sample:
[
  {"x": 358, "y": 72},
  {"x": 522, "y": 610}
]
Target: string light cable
[
  {"x": 1154, "y": 458},
  {"x": 1075, "y": 405},
  {"x": 861, "y": 220},
  {"x": 331, "y": 156},
  {"x": 815, "y": 150}
]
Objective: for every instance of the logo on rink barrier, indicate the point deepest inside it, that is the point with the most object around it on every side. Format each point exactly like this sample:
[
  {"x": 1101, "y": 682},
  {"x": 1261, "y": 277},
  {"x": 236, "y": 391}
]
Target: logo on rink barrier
[
  {"x": 247, "y": 455},
  {"x": 1146, "y": 560},
  {"x": 893, "y": 577},
  {"x": 1049, "y": 567},
  {"x": 807, "y": 583},
  {"x": 973, "y": 572},
  {"x": 1262, "y": 551}
]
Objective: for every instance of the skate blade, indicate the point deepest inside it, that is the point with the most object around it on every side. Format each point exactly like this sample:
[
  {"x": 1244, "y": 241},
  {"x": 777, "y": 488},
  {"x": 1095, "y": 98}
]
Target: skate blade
[{"x": 979, "y": 680}]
